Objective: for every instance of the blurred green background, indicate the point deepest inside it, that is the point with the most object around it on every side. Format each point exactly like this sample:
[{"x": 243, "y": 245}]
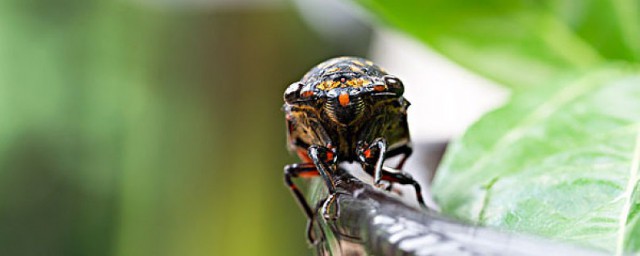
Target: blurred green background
[
  {"x": 150, "y": 128},
  {"x": 153, "y": 127}
]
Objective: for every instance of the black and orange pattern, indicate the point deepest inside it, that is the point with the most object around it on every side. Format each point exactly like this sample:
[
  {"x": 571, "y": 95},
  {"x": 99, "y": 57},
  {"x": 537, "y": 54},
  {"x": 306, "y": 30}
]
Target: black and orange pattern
[{"x": 346, "y": 109}]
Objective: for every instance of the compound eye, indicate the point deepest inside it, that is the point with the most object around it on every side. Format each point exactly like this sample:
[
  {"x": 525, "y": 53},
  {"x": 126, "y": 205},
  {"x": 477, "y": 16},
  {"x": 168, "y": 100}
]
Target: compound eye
[
  {"x": 394, "y": 84},
  {"x": 292, "y": 92}
]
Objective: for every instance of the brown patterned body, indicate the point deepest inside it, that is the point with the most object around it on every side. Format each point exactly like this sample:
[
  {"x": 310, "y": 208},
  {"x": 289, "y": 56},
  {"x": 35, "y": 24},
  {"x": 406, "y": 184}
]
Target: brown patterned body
[
  {"x": 382, "y": 116},
  {"x": 344, "y": 110}
]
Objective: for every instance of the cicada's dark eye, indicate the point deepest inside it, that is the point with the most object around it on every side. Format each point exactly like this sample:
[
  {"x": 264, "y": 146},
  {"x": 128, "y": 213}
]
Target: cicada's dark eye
[
  {"x": 292, "y": 93},
  {"x": 394, "y": 84}
]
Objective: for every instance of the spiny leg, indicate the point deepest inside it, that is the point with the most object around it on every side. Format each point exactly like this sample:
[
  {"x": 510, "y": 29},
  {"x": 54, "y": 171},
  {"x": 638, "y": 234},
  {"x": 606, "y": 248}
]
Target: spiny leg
[
  {"x": 302, "y": 170},
  {"x": 372, "y": 158},
  {"x": 398, "y": 176},
  {"x": 405, "y": 150},
  {"x": 324, "y": 160}
]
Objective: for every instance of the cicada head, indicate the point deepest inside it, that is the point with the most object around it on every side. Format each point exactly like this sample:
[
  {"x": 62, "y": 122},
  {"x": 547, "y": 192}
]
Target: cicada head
[{"x": 343, "y": 88}]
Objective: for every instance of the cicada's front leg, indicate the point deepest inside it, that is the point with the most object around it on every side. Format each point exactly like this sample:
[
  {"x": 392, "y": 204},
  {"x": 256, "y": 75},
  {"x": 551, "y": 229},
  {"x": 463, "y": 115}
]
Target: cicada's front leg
[
  {"x": 404, "y": 150},
  {"x": 325, "y": 161},
  {"x": 372, "y": 158},
  {"x": 398, "y": 176}
]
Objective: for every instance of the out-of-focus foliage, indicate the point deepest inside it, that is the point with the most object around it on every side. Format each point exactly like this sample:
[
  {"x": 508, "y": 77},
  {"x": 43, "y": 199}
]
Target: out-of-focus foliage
[
  {"x": 128, "y": 128},
  {"x": 520, "y": 44},
  {"x": 562, "y": 158},
  {"x": 563, "y": 164}
]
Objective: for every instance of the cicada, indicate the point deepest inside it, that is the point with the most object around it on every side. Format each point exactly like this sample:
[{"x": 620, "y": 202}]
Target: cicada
[{"x": 346, "y": 109}]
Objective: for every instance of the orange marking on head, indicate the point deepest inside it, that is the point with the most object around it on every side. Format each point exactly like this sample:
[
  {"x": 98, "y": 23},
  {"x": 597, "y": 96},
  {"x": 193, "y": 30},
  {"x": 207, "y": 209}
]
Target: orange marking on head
[
  {"x": 343, "y": 99},
  {"x": 379, "y": 88}
]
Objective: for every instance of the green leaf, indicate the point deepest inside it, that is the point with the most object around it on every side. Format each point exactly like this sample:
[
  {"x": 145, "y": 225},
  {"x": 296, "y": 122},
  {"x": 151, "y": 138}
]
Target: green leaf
[
  {"x": 611, "y": 27},
  {"x": 558, "y": 163},
  {"x": 517, "y": 43}
]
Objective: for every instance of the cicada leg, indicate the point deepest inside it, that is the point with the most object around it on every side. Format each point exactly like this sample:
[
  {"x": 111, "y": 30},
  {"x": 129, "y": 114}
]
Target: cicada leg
[
  {"x": 405, "y": 150},
  {"x": 372, "y": 158},
  {"x": 324, "y": 160},
  {"x": 398, "y": 176},
  {"x": 302, "y": 170}
]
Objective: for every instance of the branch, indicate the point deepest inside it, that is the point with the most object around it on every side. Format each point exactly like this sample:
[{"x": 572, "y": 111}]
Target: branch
[{"x": 374, "y": 222}]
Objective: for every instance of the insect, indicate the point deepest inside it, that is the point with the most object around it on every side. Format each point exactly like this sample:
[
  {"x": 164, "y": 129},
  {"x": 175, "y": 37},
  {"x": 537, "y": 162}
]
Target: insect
[{"x": 346, "y": 109}]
